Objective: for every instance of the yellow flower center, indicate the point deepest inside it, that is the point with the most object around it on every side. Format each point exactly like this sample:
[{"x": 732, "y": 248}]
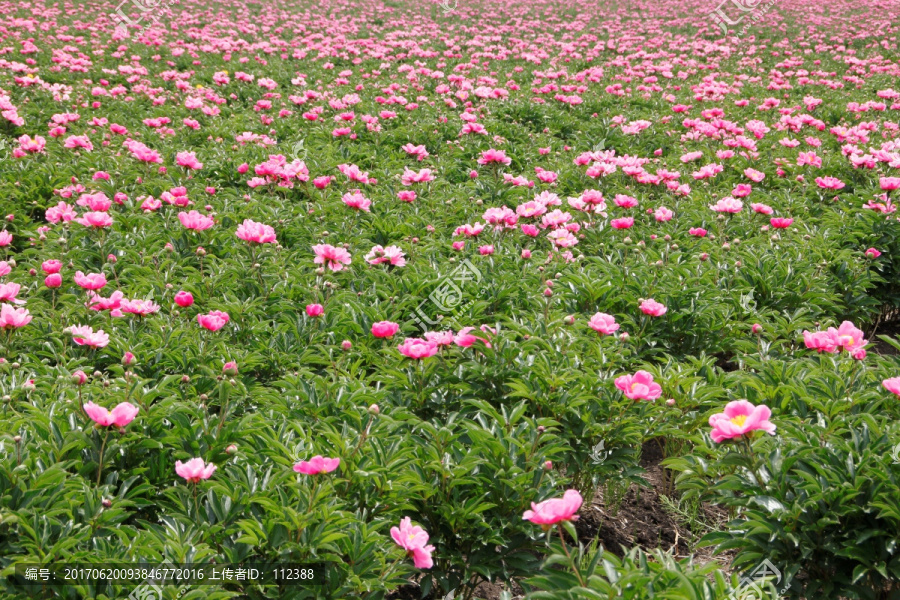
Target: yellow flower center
[
  {"x": 846, "y": 340},
  {"x": 739, "y": 420}
]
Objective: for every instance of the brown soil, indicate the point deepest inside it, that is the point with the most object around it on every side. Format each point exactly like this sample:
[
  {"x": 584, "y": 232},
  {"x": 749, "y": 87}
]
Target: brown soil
[{"x": 640, "y": 519}]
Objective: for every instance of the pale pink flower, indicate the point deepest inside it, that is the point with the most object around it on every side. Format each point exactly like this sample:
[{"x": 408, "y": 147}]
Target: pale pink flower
[
  {"x": 653, "y": 308},
  {"x": 194, "y": 470},
  {"x": 414, "y": 540},
  {"x": 392, "y": 255},
  {"x": 86, "y": 336},
  {"x": 255, "y": 233},
  {"x": 728, "y": 205},
  {"x": 892, "y": 385},
  {"x": 123, "y": 414},
  {"x": 91, "y": 281},
  {"x": 13, "y": 318},
  {"x": 550, "y": 512},
  {"x": 194, "y": 220},
  {"x": 493, "y": 156},
  {"x": 739, "y": 418},
  {"x": 357, "y": 200},
  {"x": 639, "y": 386},
  {"x": 603, "y": 323}
]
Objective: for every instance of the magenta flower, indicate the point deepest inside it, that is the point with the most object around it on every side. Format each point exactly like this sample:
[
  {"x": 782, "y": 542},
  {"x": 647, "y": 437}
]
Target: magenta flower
[
  {"x": 317, "y": 464},
  {"x": 603, "y": 323},
  {"x": 255, "y": 233},
  {"x": 194, "y": 470},
  {"x": 550, "y": 512},
  {"x": 740, "y": 417},
  {"x": 184, "y": 299},
  {"x": 123, "y": 414},
  {"x": 315, "y": 310},
  {"x": 330, "y": 256},
  {"x": 384, "y": 329},
  {"x": 96, "y": 220},
  {"x": 653, "y": 308},
  {"x": 489, "y": 157},
  {"x": 413, "y": 539},
  {"x": 639, "y": 386},
  {"x": 622, "y": 223},
  {"x": 213, "y": 321}
]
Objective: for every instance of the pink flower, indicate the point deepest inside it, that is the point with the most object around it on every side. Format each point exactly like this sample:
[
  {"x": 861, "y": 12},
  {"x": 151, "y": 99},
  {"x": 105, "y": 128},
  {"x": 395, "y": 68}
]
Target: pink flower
[
  {"x": 740, "y": 417},
  {"x": 639, "y": 386},
  {"x": 663, "y": 214},
  {"x": 330, "y": 256},
  {"x": 184, "y": 299},
  {"x": 486, "y": 250},
  {"x": 464, "y": 339},
  {"x": 781, "y": 222},
  {"x": 317, "y": 464},
  {"x": 51, "y": 266},
  {"x": 13, "y": 318},
  {"x": 697, "y": 232},
  {"x": 213, "y": 321},
  {"x": 315, "y": 310},
  {"x": 86, "y": 336},
  {"x": 848, "y": 337},
  {"x": 603, "y": 323},
  {"x": 357, "y": 200},
  {"x": 188, "y": 160},
  {"x": 194, "y": 470},
  {"x": 492, "y": 156},
  {"x": 95, "y": 219},
  {"x": 230, "y": 368},
  {"x": 6, "y": 238},
  {"x": 91, "y": 281},
  {"x": 413, "y": 539},
  {"x": 255, "y": 233},
  {"x": 892, "y": 385},
  {"x": 54, "y": 280},
  {"x": 820, "y": 341},
  {"x": 441, "y": 338},
  {"x": 763, "y": 209},
  {"x": 8, "y": 292},
  {"x": 384, "y": 329},
  {"x": 889, "y": 183},
  {"x": 829, "y": 183},
  {"x": 727, "y": 205},
  {"x": 123, "y": 414},
  {"x": 194, "y": 220},
  {"x": 622, "y": 223},
  {"x": 416, "y": 348},
  {"x": 653, "y": 308},
  {"x": 392, "y": 255},
  {"x": 872, "y": 253},
  {"x": 550, "y": 512}
]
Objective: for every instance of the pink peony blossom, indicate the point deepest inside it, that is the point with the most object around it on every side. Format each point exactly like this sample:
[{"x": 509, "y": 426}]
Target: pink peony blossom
[
  {"x": 550, "y": 512},
  {"x": 739, "y": 418},
  {"x": 317, "y": 464},
  {"x": 639, "y": 386},
  {"x": 414, "y": 540},
  {"x": 194, "y": 470},
  {"x": 123, "y": 414}
]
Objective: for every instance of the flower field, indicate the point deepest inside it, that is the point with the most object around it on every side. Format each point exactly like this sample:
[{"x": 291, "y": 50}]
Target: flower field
[{"x": 458, "y": 300}]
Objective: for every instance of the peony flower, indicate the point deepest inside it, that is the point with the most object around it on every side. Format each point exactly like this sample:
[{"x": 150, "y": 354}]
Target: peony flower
[
  {"x": 740, "y": 417},
  {"x": 86, "y": 336},
  {"x": 91, "y": 281},
  {"x": 384, "y": 329},
  {"x": 653, "y": 308},
  {"x": 184, "y": 299},
  {"x": 317, "y": 464},
  {"x": 255, "y": 233},
  {"x": 639, "y": 386},
  {"x": 13, "y": 318},
  {"x": 123, "y": 414},
  {"x": 194, "y": 220},
  {"x": 892, "y": 385},
  {"x": 330, "y": 256},
  {"x": 315, "y": 310},
  {"x": 213, "y": 321},
  {"x": 416, "y": 348},
  {"x": 194, "y": 470},
  {"x": 413, "y": 539},
  {"x": 550, "y": 512},
  {"x": 603, "y": 323}
]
